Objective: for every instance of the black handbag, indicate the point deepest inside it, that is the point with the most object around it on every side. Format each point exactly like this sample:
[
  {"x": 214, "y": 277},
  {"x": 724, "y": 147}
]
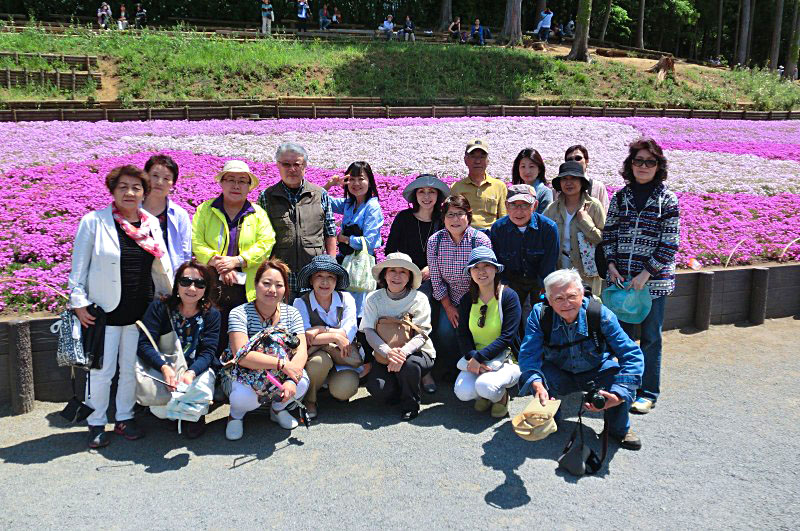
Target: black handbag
[
  {"x": 577, "y": 458},
  {"x": 76, "y": 411},
  {"x": 349, "y": 230}
]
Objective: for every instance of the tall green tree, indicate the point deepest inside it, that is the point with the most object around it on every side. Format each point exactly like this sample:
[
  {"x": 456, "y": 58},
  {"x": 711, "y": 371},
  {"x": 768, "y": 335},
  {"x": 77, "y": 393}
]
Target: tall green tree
[
  {"x": 606, "y": 17},
  {"x": 744, "y": 33},
  {"x": 580, "y": 45},
  {"x": 775, "y": 45},
  {"x": 512, "y": 28},
  {"x": 640, "y": 26},
  {"x": 794, "y": 45},
  {"x": 445, "y": 14}
]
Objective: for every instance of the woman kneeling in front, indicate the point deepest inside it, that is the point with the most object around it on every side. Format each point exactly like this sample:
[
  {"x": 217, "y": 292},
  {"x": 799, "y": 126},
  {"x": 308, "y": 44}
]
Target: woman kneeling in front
[
  {"x": 488, "y": 336},
  {"x": 400, "y": 363},
  {"x": 246, "y": 321},
  {"x": 329, "y": 317}
]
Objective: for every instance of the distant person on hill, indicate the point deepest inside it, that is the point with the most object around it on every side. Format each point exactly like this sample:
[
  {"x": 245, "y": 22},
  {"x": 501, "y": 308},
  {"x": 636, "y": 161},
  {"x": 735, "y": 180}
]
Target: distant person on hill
[
  {"x": 455, "y": 31},
  {"x": 558, "y": 32},
  {"x": 267, "y": 17},
  {"x": 543, "y": 29},
  {"x": 388, "y": 27},
  {"x": 122, "y": 21},
  {"x": 324, "y": 17},
  {"x": 104, "y": 15},
  {"x": 140, "y": 19},
  {"x": 476, "y": 34},
  {"x": 570, "y": 28},
  {"x": 408, "y": 29},
  {"x": 337, "y": 16},
  {"x": 303, "y": 14}
]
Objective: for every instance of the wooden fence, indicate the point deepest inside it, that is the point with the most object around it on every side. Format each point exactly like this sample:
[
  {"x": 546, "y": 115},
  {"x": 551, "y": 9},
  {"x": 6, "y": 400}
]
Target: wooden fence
[
  {"x": 71, "y": 80},
  {"x": 283, "y": 110},
  {"x": 85, "y": 62}
]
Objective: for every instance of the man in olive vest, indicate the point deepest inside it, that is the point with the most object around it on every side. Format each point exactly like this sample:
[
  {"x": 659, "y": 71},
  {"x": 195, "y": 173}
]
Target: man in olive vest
[{"x": 300, "y": 212}]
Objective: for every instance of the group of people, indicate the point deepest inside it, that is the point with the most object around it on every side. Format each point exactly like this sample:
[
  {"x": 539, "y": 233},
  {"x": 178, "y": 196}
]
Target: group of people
[
  {"x": 325, "y": 16},
  {"x": 456, "y": 299},
  {"x": 478, "y": 34},
  {"x": 105, "y": 18}
]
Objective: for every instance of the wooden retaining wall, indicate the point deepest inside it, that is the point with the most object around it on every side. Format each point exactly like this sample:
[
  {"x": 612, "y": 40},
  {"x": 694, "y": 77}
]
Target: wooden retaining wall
[
  {"x": 368, "y": 111},
  {"x": 730, "y": 299},
  {"x": 71, "y": 80},
  {"x": 85, "y": 62}
]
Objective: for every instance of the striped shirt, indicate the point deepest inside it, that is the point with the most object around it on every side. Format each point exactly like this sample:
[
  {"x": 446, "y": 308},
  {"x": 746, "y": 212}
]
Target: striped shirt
[
  {"x": 447, "y": 260},
  {"x": 245, "y": 318}
]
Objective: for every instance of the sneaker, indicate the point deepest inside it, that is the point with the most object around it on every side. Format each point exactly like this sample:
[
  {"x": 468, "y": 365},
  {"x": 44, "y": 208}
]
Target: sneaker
[
  {"x": 195, "y": 429},
  {"x": 409, "y": 415},
  {"x": 428, "y": 384},
  {"x": 642, "y": 406},
  {"x": 284, "y": 419},
  {"x": 482, "y": 404},
  {"x": 631, "y": 441},
  {"x": 98, "y": 437},
  {"x": 500, "y": 409},
  {"x": 234, "y": 430},
  {"x": 128, "y": 429}
]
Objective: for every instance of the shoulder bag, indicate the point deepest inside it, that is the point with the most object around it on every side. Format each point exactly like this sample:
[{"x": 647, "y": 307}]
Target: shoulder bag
[{"x": 150, "y": 392}]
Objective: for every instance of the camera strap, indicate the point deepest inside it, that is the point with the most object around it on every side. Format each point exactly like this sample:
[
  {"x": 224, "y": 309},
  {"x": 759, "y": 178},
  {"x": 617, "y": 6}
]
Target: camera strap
[{"x": 589, "y": 463}]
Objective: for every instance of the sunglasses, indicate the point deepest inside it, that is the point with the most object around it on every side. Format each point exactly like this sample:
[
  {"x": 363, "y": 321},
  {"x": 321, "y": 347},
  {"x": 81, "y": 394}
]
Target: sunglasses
[
  {"x": 482, "y": 318},
  {"x": 185, "y": 282},
  {"x": 576, "y": 158},
  {"x": 647, "y": 163}
]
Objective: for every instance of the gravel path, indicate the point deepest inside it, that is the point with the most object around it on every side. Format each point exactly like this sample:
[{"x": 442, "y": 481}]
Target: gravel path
[{"x": 720, "y": 451}]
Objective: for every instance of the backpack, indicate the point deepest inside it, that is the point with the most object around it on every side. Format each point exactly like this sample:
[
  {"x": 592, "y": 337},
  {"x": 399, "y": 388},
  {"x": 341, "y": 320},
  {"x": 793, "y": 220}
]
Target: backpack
[
  {"x": 473, "y": 240},
  {"x": 593, "y": 318}
]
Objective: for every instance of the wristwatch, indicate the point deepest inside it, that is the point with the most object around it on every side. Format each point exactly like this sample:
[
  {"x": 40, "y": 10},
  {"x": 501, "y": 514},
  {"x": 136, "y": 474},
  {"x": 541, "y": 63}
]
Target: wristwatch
[{"x": 241, "y": 261}]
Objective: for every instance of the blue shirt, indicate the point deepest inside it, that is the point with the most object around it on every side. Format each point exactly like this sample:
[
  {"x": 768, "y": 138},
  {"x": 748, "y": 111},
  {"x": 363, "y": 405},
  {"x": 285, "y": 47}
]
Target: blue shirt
[
  {"x": 547, "y": 18},
  {"x": 368, "y": 216},
  {"x": 532, "y": 253},
  {"x": 179, "y": 235},
  {"x": 582, "y": 356},
  {"x": 544, "y": 195}
]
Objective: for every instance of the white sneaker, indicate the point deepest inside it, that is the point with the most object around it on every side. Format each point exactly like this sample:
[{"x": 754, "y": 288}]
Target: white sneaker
[
  {"x": 234, "y": 430},
  {"x": 284, "y": 419}
]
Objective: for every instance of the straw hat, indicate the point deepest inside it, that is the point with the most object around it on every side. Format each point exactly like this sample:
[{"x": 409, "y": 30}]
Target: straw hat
[
  {"x": 237, "y": 166},
  {"x": 399, "y": 260}
]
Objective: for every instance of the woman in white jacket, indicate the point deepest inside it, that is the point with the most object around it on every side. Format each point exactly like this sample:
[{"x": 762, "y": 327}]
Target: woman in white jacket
[{"x": 119, "y": 263}]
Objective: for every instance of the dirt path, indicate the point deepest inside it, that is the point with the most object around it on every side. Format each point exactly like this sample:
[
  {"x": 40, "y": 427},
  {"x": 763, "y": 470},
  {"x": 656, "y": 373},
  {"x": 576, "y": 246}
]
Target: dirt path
[{"x": 110, "y": 90}]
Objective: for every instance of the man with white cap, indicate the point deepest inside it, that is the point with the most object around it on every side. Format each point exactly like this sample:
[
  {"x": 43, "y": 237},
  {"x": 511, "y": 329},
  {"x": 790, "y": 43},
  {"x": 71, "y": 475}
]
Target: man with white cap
[
  {"x": 301, "y": 213},
  {"x": 486, "y": 195},
  {"x": 526, "y": 243}
]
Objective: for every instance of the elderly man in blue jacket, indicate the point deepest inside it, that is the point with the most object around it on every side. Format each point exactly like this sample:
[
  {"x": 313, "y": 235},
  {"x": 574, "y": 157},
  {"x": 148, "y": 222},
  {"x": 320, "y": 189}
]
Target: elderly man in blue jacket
[
  {"x": 526, "y": 243},
  {"x": 573, "y": 357}
]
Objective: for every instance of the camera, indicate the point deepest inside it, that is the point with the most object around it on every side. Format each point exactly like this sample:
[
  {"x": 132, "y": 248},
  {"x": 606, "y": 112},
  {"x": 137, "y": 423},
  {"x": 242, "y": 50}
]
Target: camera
[{"x": 593, "y": 396}]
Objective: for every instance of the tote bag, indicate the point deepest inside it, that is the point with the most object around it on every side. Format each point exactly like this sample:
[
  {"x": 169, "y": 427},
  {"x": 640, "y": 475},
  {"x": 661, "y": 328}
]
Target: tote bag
[
  {"x": 150, "y": 392},
  {"x": 359, "y": 266}
]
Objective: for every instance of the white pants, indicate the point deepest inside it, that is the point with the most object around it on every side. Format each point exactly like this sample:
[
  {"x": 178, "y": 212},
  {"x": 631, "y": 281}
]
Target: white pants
[
  {"x": 244, "y": 399},
  {"x": 489, "y": 385},
  {"x": 266, "y": 25},
  {"x": 119, "y": 347}
]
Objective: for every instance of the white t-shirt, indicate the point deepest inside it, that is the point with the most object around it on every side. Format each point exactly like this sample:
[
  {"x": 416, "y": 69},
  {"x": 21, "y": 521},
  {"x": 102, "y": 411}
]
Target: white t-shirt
[{"x": 566, "y": 245}]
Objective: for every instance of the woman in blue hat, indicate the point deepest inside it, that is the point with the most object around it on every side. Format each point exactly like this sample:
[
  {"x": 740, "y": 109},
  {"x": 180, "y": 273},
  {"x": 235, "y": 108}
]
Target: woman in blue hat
[
  {"x": 329, "y": 317},
  {"x": 640, "y": 240},
  {"x": 488, "y": 336}
]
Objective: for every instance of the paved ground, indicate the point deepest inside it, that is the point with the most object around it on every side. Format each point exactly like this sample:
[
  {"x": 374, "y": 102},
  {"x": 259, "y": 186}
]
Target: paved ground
[{"x": 720, "y": 451}]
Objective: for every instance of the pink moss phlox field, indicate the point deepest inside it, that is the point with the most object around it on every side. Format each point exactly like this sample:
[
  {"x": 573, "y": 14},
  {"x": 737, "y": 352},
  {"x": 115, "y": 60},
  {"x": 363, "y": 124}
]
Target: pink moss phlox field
[{"x": 737, "y": 182}]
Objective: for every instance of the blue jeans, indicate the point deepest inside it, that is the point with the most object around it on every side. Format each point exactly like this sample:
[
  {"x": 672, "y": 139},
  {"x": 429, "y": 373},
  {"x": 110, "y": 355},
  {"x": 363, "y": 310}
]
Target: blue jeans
[
  {"x": 446, "y": 343},
  {"x": 560, "y": 382},
  {"x": 651, "y": 347}
]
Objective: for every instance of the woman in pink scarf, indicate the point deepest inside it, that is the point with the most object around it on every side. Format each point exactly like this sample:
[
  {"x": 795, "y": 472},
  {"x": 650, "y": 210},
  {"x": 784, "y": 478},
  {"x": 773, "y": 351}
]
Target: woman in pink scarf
[{"x": 119, "y": 264}]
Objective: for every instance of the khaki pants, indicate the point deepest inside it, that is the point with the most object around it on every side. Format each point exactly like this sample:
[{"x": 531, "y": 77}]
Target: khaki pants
[{"x": 341, "y": 384}]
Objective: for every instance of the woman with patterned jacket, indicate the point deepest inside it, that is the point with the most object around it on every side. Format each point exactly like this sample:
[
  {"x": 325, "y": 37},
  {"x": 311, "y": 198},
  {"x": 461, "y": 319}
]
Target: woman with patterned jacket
[{"x": 640, "y": 239}]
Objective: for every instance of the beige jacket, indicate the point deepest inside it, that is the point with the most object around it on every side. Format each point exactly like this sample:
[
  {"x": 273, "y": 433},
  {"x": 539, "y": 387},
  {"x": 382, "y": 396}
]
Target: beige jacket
[{"x": 592, "y": 228}]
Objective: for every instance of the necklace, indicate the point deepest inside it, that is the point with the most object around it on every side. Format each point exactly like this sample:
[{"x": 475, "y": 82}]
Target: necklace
[
  {"x": 422, "y": 243},
  {"x": 269, "y": 319}
]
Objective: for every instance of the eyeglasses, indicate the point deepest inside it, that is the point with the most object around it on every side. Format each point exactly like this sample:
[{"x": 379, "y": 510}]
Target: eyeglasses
[
  {"x": 185, "y": 282},
  {"x": 482, "y": 318},
  {"x": 519, "y": 205},
  {"x": 233, "y": 182},
  {"x": 291, "y": 165},
  {"x": 648, "y": 163},
  {"x": 576, "y": 158},
  {"x": 454, "y": 215}
]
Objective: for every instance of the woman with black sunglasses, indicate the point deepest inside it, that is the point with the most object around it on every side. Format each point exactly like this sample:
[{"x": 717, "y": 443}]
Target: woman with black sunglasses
[
  {"x": 190, "y": 313},
  {"x": 640, "y": 240},
  {"x": 488, "y": 336},
  {"x": 597, "y": 189}
]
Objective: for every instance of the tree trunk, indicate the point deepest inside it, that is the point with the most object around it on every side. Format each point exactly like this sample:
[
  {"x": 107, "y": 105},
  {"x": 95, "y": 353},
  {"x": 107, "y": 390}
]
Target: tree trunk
[
  {"x": 678, "y": 42},
  {"x": 580, "y": 46},
  {"x": 640, "y": 28},
  {"x": 738, "y": 30},
  {"x": 775, "y": 48},
  {"x": 512, "y": 29},
  {"x": 750, "y": 30},
  {"x": 744, "y": 32},
  {"x": 718, "y": 49},
  {"x": 704, "y": 44},
  {"x": 794, "y": 44},
  {"x": 446, "y": 15},
  {"x": 540, "y": 6},
  {"x": 606, "y": 17}
]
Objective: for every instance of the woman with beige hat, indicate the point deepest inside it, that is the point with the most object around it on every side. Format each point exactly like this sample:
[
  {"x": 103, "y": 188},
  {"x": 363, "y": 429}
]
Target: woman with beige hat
[
  {"x": 403, "y": 350},
  {"x": 234, "y": 237}
]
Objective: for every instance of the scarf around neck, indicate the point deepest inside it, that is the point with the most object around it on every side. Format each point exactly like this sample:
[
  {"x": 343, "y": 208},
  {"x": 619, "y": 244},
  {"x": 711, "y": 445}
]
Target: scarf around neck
[{"x": 143, "y": 235}]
